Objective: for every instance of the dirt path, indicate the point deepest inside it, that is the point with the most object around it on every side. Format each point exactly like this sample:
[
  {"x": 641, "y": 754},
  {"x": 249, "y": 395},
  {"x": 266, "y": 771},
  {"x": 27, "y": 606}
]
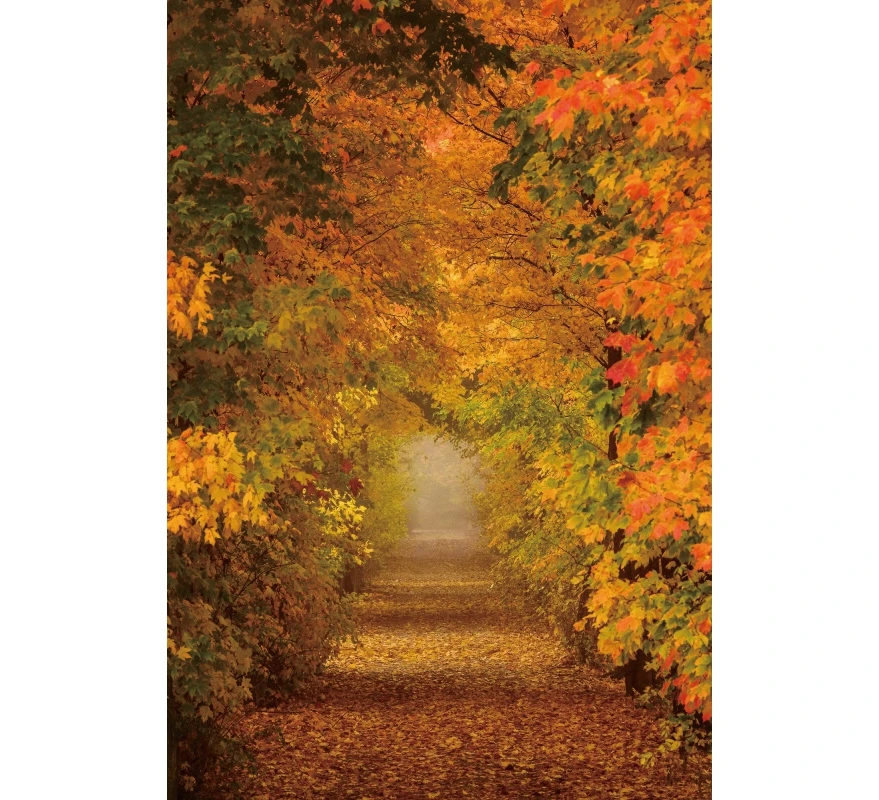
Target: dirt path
[{"x": 448, "y": 697}]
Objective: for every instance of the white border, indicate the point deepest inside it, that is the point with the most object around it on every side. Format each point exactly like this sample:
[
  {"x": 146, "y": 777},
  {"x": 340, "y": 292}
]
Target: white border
[{"x": 83, "y": 399}]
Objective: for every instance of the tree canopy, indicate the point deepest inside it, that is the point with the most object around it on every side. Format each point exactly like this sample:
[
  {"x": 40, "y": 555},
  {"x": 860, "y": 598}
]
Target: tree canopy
[{"x": 492, "y": 218}]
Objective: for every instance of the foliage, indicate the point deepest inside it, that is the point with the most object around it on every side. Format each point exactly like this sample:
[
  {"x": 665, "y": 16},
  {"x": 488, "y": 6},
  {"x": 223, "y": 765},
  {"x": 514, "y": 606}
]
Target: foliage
[
  {"x": 582, "y": 323},
  {"x": 299, "y": 325},
  {"x": 628, "y": 127},
  {"x": 385, "y": 521},
  {"x": 382, "y": 213},
  {"x": 448, "y": 694}
]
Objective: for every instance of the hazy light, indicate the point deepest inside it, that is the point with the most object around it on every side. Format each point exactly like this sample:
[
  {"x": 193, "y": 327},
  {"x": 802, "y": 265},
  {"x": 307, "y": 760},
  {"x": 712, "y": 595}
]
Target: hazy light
[{"x": 443, "y": 481}]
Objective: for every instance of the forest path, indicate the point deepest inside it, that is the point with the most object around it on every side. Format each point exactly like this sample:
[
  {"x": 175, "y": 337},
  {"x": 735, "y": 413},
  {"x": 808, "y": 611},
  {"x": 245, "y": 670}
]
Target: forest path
[{"x": 447, "y": 696}]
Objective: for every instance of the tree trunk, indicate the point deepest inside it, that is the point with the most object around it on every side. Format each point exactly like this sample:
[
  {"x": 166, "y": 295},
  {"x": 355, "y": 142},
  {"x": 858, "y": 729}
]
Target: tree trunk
[{"x": 173, "y": 765}]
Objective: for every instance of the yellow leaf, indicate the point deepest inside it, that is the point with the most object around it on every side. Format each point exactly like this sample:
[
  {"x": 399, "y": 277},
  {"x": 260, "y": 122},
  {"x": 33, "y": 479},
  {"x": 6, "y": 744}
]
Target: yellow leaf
[
  {"x": 211, "y": 535},
  {"x": 183, "y": 653},
  {"x": 666, "y": 381}
]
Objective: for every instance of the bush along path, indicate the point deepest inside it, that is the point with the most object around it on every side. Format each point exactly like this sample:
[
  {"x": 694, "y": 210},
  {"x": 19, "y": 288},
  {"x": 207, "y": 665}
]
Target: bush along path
[{"x": 449, "y": 695}]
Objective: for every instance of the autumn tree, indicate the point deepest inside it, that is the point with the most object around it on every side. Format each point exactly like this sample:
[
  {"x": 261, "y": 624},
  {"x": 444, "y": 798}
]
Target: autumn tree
[
  {"x": 588, "y": 270},
  {"x": 299, "y": 326},
  {"x": 495, "y": 216}
]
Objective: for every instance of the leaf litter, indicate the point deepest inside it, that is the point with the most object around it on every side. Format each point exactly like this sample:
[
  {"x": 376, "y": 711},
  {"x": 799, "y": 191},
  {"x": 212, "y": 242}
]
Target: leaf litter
[{"x": 448, "y": 694}]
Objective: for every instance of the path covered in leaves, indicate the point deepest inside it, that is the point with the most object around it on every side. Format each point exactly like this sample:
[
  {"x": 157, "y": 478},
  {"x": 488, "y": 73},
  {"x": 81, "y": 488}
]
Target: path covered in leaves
[{"x": 446, "y": 696}]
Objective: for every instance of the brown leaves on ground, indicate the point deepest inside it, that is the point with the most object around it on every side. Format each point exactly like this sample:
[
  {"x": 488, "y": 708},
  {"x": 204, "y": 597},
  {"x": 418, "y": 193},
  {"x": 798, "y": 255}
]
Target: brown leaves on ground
[{"x": 447, "y": 696}]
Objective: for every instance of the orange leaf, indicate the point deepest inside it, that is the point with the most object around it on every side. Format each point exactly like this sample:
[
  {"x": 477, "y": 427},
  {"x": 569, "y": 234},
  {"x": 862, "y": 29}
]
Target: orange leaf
[
  {"x": 628, "y": 624},
  {"x": 702, "y": 553},
  {"x": 664, "y": 377},
  {"x": 636, "y": 187},
  {"x": 551, "y": 7},
  {"x": 615, "y": 297}
]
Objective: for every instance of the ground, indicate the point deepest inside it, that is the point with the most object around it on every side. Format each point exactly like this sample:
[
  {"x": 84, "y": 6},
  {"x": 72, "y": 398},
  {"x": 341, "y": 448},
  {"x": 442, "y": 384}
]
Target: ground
[{"x": 448, "y": 695}]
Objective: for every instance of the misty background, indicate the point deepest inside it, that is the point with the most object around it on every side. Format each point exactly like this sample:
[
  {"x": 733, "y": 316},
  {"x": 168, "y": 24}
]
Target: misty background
[{"x": 443, "y": 480}]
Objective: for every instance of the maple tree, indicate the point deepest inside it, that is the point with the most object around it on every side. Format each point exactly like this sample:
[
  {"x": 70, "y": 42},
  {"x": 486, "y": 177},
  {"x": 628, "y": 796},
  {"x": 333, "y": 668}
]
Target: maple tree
[
  {"x": 296, "y": 316},
  {"x": 580, "y": 316},
  {"x": 491, "y": 217},
  {"x": 627, "y": 120}
]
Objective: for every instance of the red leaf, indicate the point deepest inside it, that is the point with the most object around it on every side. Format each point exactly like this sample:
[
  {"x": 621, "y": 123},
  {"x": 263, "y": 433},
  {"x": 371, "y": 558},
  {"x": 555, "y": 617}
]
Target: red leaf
[
  {"x": 626, "y": 341},
  {"x": 626, "y": 479},
  {"x": 622, "y": 370},
  {"x": 178, "y": 151},
  {"x": 682, "y": 372},
  {"x": 541, "y": 88}
]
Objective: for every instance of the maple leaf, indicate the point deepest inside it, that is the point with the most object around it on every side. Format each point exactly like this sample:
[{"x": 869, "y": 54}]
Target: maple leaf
[
  {"x": 550, "y": 7},
  {"x": 636, "y": 186},
  {"x": 622, "y": 370},
  {"x": 629, "y": 623},
  {"x": 613, "y": 297},
  {"x": 625, "y": 341},
  {"x": 702, "y": 554},
  {"x": 664, "y": 377},
  {"x": 626, "y": 479}
]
